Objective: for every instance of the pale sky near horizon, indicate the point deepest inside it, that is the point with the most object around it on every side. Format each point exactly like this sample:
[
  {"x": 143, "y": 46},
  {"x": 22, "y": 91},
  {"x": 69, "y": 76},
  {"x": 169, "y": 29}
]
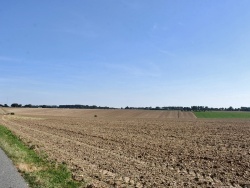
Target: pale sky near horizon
[{"x": 125, "y": 52}]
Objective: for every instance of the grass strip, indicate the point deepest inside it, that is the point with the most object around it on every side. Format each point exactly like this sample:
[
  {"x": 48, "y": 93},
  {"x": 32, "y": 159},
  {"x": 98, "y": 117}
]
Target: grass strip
[
  {"x": 36, "y": 169},
  {"x": 214, "y": 114}
]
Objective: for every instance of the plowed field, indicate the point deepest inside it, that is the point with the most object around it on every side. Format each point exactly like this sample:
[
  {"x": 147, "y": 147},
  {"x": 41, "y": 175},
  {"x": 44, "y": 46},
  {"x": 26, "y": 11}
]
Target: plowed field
[
  {"x": 2, "y": 112},
  {"x": 132, "y": 148}
]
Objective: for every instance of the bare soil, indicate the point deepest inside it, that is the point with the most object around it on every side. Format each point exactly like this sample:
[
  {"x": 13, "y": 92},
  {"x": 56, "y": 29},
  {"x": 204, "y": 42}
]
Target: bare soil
[
  {"x": 136, "y": 148},
  {"x": 2, "y": 112}
]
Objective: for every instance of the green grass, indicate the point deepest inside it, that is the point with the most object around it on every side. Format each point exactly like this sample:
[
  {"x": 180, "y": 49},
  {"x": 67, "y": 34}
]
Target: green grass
[
  {"x": 215, "y": 114},
  {"x": 36, "y": 169}
]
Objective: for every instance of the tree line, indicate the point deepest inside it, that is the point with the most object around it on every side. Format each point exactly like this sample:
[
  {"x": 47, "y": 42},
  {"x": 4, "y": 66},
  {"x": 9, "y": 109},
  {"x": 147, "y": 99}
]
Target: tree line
[
  {"x": 79, "y": 106},
  {"x": 192, "y": 108},
  {"x": 75, "y": 106}
]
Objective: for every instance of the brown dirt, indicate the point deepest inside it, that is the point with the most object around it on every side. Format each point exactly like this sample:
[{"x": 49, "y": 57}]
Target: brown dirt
[
  {"x": 107, "y": 114},
  {"x": 130, "y": 148},
  {"x": 2, "y": 112}
]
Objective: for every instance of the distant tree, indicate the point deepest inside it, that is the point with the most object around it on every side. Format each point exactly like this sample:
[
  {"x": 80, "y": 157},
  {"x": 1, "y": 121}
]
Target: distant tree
[
  {"x": 157, "y": 108},
  {"x": 44, "y": 106},
  {"x": 14, "y": 105},
  {"x": 186, "y": 109},
  {"x": 194, "y": 108},
  {"x": 230, "y": 108},
  {"x": 93, "y": 107},
  {"x": 6, "y": 105},
  {"x": 245, "y": 108}
]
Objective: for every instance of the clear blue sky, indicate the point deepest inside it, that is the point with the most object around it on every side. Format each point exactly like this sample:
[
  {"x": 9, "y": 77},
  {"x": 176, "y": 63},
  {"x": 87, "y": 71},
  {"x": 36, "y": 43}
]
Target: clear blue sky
[{"x": 125, "y": 52}]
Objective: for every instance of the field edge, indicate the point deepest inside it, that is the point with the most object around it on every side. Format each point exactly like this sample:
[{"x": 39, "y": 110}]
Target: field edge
[
  {"x": 36, "y": 169},
  {"x": 220, "y": 114}
]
